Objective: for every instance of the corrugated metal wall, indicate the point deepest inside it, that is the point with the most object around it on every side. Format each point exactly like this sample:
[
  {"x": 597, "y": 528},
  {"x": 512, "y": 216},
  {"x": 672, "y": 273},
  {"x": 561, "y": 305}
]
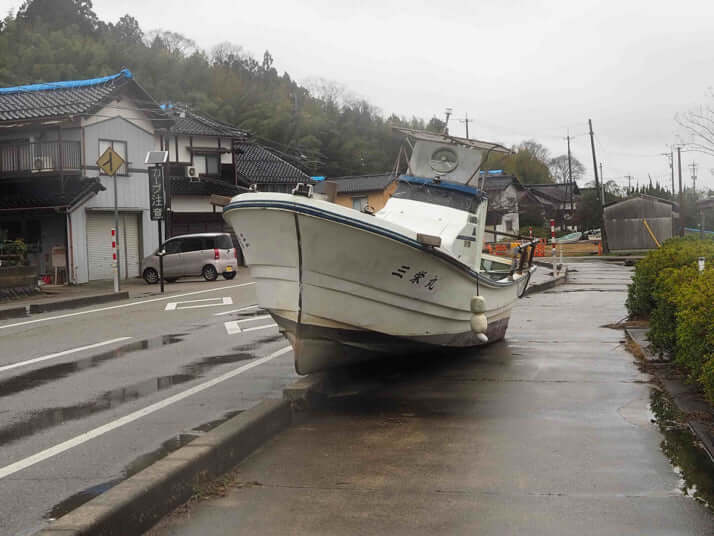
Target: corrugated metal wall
[{"x": 625, "y": 227}]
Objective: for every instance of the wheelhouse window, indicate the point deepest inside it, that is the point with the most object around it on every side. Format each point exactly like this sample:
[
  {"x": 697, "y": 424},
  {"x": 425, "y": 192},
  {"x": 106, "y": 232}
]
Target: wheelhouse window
[
  {"x": 120, "y": 148},
  {"x": 359, "y": 203}
]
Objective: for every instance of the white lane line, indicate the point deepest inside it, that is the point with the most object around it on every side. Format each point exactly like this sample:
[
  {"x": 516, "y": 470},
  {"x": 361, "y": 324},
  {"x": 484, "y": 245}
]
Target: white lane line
[
  {"x": 173, "y": 306},
  {"x": 260, "y": 327},
  {"x": 101, "y": 430},
  {"x": 233, "y": 327},
  {"x": 252, "y": 319},
  {"x": 68, "y": 315},
  {"x": 60, "y": 354},
  {"x": 236, "y": 310}
]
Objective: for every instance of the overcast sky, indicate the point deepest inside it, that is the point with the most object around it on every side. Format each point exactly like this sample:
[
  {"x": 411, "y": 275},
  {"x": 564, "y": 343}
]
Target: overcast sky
[{"x": 519, "y": 68}]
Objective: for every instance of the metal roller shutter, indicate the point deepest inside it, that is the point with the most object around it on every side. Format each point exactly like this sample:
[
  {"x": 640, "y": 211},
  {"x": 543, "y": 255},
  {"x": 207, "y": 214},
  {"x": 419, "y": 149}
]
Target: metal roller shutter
[
  {"x": 99, "y": 247},
  {"x": 130, "y": 247}
]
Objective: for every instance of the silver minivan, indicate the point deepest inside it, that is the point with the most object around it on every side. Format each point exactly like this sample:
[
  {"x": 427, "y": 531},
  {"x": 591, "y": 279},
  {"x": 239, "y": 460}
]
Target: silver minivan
[{"x": 206, "y": 254}]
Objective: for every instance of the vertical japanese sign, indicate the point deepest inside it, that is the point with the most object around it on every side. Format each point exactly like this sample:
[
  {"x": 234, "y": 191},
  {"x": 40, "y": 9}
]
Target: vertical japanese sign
[{"x": 156, "y": 193}]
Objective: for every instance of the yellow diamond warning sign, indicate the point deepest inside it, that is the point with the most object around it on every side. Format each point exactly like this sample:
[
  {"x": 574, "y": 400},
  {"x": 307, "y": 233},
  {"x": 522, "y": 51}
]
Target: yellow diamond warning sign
[{"x": 110, "y": 161}]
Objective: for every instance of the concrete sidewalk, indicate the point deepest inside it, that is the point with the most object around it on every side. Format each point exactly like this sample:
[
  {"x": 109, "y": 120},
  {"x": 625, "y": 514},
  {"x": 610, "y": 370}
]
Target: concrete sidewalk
[
  {"x": 546, "y": 433},
  {"x": 59, "y": 297}
]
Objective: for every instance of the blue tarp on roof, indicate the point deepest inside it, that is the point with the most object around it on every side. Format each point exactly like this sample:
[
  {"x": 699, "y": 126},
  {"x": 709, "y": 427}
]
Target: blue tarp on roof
[
  {"x": 66, "y": 85},
  {"x": 442, "y": 185}
]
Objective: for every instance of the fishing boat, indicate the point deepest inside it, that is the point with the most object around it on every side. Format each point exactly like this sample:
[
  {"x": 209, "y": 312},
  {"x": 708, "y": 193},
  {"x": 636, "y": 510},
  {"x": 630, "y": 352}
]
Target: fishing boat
[
  {"x": 347, "y": 285},
  {"x": 568, "y": 238}
]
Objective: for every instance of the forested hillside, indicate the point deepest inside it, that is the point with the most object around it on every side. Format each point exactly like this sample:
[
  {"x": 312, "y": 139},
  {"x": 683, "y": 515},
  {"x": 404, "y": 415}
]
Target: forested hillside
[{"x": 320, "y": 129}]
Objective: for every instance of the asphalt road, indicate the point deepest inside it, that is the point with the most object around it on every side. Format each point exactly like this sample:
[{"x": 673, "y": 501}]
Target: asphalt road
[
  {"x": 92, "y": 395},
  {"x": 547, "y": 433}
]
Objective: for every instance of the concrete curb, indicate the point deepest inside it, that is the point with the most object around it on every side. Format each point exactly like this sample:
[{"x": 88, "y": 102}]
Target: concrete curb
[
  {"x": 546, "y": 285},
  {"x": 136, "y": 504},
  {"x": 13, "y": 312},
  {"x": 74, "y": 303},
  {"x": 698, "y": 428}
]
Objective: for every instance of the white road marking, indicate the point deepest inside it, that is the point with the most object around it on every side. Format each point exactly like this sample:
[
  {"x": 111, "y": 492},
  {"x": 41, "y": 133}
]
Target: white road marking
[
  {"x": 252, "y": 319},
  {"x": 173, "y": 306},
  {"x": 60, "y": 354},
  {"x": 260, "y": 327},
  {"x": 101, "y": 430},
  {"x": 111, "y": 307},
  {"x": 233, "y": 327},
  {"x": 236, "y": 310}
]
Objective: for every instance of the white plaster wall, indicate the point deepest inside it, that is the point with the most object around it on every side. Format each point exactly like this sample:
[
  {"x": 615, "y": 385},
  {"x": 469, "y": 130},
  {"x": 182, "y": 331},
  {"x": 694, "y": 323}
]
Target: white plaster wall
[
  {"x": 192, "y": 203},
  {"x": 184, "y": 154},
  {"x": 122, "y": 107},
  {"x": 132, "y": 190}
]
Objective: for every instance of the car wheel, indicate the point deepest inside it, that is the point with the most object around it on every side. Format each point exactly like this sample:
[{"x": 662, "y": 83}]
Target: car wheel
[
  {"x": 151, "y": 276},
  {"x": 209, "y": 273},
  {"x": 229, "y": 275}
]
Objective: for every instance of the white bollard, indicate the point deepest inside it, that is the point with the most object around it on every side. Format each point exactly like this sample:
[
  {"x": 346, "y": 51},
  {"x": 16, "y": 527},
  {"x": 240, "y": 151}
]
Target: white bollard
[{"x": 114, "y": 260}]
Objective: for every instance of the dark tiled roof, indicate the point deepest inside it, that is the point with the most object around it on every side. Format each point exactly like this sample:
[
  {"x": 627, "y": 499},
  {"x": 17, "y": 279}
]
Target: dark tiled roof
[
  {"x": 190, "y": 123},
  {"x": 50, "y": 195},
  {"x": 206, "y": 186},
  {"x": 61, "y": 99},
  {"x": 501, "y": 182},
  {"x": 556, "y": 192},
  {"x": 360, "y": 183},
  {"x": 257, "y": 165}
]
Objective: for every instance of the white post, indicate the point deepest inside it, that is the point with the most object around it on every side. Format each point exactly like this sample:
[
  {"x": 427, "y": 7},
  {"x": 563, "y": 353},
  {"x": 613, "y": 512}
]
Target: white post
[
  {"x": 114, "y": 260},
  {"x": 701, "y": 262}
]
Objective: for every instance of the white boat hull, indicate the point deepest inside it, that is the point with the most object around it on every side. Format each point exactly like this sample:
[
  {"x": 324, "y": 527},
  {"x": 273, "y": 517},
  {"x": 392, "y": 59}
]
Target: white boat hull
[{"x": 346, "y": 287}]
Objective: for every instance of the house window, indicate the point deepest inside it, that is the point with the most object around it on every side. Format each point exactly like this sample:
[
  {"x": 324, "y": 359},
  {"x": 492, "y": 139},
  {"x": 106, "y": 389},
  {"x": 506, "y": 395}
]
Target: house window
[
  {"x": 120, "y": 148},
  {"x": 207, "y": 164},
  {"x": 358, "y": 203},
  {"x": 509, "y": 225}
]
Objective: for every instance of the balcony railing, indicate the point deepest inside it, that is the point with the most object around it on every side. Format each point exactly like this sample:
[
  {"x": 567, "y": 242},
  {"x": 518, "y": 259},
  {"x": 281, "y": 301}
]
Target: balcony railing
[{"x": 48, "y": 157}]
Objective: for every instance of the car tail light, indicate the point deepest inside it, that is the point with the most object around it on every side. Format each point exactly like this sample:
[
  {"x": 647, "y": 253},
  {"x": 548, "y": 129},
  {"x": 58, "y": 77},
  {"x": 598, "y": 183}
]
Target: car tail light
[
  {"x": 235, "y": 253},
  {"x": 216, "y": 254}
]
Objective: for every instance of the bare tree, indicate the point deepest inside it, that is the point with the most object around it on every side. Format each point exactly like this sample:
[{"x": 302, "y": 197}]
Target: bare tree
[
  {"x": 536, "y": 150},
  {"x": 699, "y": 123},
  {"x": 227, "y": 53},
  {"x": 559, "y": 168},
  {"x": 172, "y": 42}
]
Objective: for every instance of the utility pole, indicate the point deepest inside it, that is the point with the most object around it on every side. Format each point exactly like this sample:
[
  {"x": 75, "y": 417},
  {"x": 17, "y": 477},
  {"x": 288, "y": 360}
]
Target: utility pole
[
  {"x": 629, "y": 183},
  {"x": 681, "y": 195},
  {"x": 602, "y": 185},
  {"x": 570, "y": 177},
  {"x": 466, "y": 121},
  {"x": 448, "y": 112},
  {"x": 597, "y": 189},
  {"x": 693, "y": 167},
  {"x": 670, "y": 158}
]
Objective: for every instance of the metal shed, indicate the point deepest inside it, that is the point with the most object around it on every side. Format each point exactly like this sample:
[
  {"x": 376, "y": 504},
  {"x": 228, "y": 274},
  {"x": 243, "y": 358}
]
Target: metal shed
[{"x": 627, "y": 222}]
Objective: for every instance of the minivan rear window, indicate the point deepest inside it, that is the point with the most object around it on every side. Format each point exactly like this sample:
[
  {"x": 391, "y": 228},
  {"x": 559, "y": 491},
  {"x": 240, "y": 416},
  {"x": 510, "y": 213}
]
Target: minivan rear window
[{"x": 223, "y": 242}]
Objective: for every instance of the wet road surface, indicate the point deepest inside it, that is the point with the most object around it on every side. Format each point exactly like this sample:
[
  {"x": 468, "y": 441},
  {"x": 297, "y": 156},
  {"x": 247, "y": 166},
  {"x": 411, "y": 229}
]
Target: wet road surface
[
  {"x": 89, "y": 397},
  {"x": 549, "y": 432}
]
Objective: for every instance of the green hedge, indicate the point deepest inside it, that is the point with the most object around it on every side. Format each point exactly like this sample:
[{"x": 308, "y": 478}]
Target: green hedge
[
  {"x": 694, "y": 347},
  {"x": 668, "y": 288},
  {"x": 673, "y": 254}
]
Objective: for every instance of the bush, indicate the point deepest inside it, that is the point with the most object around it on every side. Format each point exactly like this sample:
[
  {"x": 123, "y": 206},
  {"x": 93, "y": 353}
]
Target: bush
[
  {"x": 695, "y": 329},
  {"x": 674, "y": 253},
  {"x": 663, "y": 318}
]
